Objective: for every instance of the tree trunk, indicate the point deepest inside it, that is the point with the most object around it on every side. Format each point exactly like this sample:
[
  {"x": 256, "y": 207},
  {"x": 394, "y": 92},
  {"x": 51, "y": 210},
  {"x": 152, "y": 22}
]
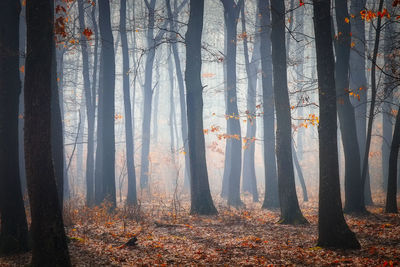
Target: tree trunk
[
  {"x": 373, "y": 99},
  {"x": 130, "y": 160},
  {"x": 391, "y": 199},
  {"x": 290, "y": 210},
  {"x": 108, "y": 81},
  {"x": 182, "y": 101},
  {"x": 249, "y": 173},
  {"x": 333, "y": 231},
  {"x": 201, "y": 200},
  {"x": 48, "y": 236},
  {"x": 345, "y": 109},
  {"x": 231, "y": 15},
  {"x": 300, "y": 174},
  {"x": 271, "y": 199},
  {"x": 387, "y": 117},
  {"x": 13, "y": 227}
]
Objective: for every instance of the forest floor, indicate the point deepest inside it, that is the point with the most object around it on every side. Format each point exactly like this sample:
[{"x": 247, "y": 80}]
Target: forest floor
[{"x": 167, "y": 235}]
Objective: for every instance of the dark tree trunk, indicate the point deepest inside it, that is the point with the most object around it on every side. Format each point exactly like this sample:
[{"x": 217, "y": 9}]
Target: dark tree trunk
[
  {"x": 391, "y": 199},
  {"x": 333, "y": 231},
  {"x": 99, "y": 148},
  {"x": 300, "y": 77},
  {"x": 345, "y": 109},
  {"x": 57, "y": 140},
  {"x": 182, "y": 101},
  {"x": 290, "y": 210},
  {"x": 387, "y": 117},
  {"x": 271, "y": 199},
  {"x": 48, "y": 236},
  {"x": 108, "y": 83},
  {"x": 365, "y": 165},
  {"x": 13, "y": 227},
  {"x": 231, "y": 15},
  {"x": 249, "y": 172},
  {"x": 22, "y": 49},
  {"x": 201, "y": 200},
  {"x": 91, "y": 115},
  {"x": 130, "y": 162}
]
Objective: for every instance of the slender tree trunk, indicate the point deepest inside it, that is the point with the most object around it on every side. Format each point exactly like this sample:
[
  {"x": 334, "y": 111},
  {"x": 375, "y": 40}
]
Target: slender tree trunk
[
  {"x": 13, "y": 225},
  {"x": 271, "y": 199},
  {"x": 182, "y": 101},
  {"x": 91, "y": 116},
  {"x": 387, "y": 117},
  {"x": 201, "y": 200},
  {"x": 345, "y": 109},
  {"x": 108, "y": 81},
  {"x": 231, "y": 15},
  {"x": 249, "y": 173},
  {"x": 290, "y": 210},
  {"x": 148, "y": 95},
  {"x": 391, "y": 199},
  {"x": 373, "y": 99},
  {"x": 49, "y": 241},
  {"x": 300, "y": 174},
  {"x": 333, "y": 231},
  {"x": 131, "y": 198}
]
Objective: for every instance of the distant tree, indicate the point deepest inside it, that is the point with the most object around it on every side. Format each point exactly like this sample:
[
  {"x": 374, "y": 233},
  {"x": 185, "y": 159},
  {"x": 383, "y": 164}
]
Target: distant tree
[
  {"x": 48, "y": 236},
  {"x": 333, "y": 231},
  {"x": 13, "y": 227},
  {"x": 90, "y": 100},
  {"x": 231, "y": 16},
  {"x": 271, "y": 199},
  {"x": 249, "y": 172},
  {"x": 345, "y": 109},
  {"x": 290, "y": 210},
  {"x": 201, "y": 200},
  {"x": 130, "y": 161},
  {"x": 181, "y": 86}
]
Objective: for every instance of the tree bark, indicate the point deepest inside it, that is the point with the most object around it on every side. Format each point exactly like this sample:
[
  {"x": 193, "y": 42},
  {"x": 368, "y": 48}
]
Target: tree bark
[
  {"x": 130, "y": 160},
  {"x": 271, "y": 199},
  {"x": 333, "y": 231},
  {"x": 108, "y": 81},
  {"x": 391, "y": 199},
  {"x": 290, "y": 210},
  {"x": 201, "y": 200},
  {"x": 373, "y": 99},
  {"x": 345, "y": 109},
  {"x": 13, "y": 227},
  {"x": 48, "y": 236},
  {"x": 231, "y": 15},
  {"x": 249, "y": 173}
]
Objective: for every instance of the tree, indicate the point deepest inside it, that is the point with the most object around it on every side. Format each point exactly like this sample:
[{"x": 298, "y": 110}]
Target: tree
[
  {"x": 181, "y": 86},
  {"x": 333, "y": 231},
  {"x": 271, "y": 199},
  {"x": 201, "y": 200},
  {"x": 13, "y": 228},
  {"x": 391, "y": 201},
  {"x": 231, "y": 15},
  {"x": 290, "y": 210},
  {"x": 48, "y": 236},
  {"x": 130, "y": 161},
  {"x": 353, "y": 189},
  {"x": 373, "y": 100},
  {"x": 90, "y": 100},
  {"x": 249, "y": 173},
  {"x": 107, "y": 116}
]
